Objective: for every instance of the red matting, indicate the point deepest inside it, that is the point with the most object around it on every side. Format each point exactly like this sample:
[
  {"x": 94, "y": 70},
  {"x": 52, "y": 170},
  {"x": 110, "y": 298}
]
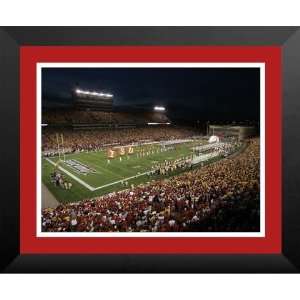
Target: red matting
[{"x": 30, "y": 56}]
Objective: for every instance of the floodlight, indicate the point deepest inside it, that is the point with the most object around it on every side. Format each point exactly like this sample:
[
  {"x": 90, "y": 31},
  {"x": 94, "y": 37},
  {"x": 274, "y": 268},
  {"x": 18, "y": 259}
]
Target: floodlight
[
  {"x": 159, "y": 108},
  {"x": 78, "y": 91},
  {"x": 157, "y": 123}
]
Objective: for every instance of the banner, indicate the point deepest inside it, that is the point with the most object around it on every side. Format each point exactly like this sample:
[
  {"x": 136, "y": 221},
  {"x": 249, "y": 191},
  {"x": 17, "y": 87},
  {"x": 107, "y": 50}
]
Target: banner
[
  {"x": 119, "y": 151},
  {"x": 111, "y": 153},
  {"x": 122, "y": 151},
  {"x": 129, "y": 150}
]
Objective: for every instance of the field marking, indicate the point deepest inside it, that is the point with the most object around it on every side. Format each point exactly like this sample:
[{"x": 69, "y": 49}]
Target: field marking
[
  {"x": 119, "y": 181},
  {"x": 71, "y": 175},
  {"x": 87, "y": 185},
  {"x": 99, "y": 168},
  {"x": 106, "y": 170}
]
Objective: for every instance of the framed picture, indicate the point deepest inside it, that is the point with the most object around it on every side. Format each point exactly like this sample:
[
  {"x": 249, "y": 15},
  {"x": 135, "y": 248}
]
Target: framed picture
[{"x": 150, "y": 149}]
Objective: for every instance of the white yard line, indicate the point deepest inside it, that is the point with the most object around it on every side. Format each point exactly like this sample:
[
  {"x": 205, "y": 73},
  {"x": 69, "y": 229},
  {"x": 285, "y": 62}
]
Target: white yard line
[
  {"x": 106, "y": 170},
  {"x": 72, "y": 176},
  {"x": 125, "y": 179},
  {"x": 86, "y": 184}
]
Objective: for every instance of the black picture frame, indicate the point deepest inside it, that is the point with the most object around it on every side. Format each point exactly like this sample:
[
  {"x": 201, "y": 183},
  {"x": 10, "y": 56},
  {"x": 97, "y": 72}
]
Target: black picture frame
[{"x": 11, "y": 38}]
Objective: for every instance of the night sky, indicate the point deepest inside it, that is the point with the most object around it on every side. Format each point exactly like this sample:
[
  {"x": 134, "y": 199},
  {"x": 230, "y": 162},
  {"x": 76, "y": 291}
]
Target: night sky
[{"x": 224, "y": 94}]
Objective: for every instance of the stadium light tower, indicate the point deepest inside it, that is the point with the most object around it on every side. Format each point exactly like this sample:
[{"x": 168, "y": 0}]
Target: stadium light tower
[
  {"x": 159, "y": 108},
  {"x": 95, "y": 94}
]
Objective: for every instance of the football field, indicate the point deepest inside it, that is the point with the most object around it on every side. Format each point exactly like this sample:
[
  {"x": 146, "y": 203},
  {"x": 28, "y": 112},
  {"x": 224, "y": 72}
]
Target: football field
[{"x": 91, "y": 174}]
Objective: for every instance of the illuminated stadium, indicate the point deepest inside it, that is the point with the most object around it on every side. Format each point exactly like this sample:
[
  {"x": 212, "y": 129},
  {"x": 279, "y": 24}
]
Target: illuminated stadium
[{"x": 112, "y": 169}]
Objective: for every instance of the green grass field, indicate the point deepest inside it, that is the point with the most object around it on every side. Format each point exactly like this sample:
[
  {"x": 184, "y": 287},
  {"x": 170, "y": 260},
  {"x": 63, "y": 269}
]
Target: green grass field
[{"x": 107, "y": 175}]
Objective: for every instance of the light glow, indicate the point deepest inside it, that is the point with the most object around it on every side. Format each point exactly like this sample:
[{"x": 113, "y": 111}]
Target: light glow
[
  {"x": 105, "y": 95},
  {"x": 214, "y": 139},
  {"x": 155, "y": 123},
  {"x": 159, "y": 108}
]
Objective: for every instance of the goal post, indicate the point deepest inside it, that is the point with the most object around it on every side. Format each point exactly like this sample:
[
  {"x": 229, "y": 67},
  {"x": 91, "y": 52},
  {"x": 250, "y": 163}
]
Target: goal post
[
  {"x": 63, "y": 147},
  {"x": 58, "y": 149},
  {"x": 60, "y": 146}
]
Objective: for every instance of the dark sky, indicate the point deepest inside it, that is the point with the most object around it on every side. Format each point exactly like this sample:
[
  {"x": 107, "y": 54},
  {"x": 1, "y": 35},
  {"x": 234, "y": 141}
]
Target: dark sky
[{"x": 194, "y": 93}]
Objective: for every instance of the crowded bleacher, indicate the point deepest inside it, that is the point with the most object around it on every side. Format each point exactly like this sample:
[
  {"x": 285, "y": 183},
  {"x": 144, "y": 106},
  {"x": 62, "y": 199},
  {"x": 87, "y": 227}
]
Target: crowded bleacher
[
  {"x": 222, "y": 196},
  {"x": 78, "y": 140},
  {"x": 73, "y": 116}
]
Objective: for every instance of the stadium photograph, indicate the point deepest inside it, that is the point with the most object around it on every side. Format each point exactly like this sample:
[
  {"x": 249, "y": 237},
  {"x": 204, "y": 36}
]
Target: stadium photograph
[{"x": 150, "y": 149}]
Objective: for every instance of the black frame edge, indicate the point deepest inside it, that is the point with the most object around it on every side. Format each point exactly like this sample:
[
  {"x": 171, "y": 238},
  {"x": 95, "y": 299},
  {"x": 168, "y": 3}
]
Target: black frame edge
[{"x": 11, "y": 38}]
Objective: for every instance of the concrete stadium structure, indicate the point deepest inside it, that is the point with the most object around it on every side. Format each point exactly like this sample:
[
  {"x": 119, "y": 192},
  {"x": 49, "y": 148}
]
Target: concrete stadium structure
[{"x": 242, "y": 132}]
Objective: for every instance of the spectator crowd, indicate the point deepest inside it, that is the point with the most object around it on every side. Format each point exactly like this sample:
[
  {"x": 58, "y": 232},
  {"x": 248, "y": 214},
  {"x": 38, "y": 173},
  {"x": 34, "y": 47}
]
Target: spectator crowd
[
  {"x": 73, "y": 116},
  {"x": 81, "y": 140},
  {"x": 222, "y": 196}
]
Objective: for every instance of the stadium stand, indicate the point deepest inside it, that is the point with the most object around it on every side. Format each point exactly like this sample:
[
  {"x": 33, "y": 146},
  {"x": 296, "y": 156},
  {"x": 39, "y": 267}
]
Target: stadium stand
[
  {"x": 223, "y": 196},
  {"x": 77, "y": 140},
  {"x": 72, "y": 116}
]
